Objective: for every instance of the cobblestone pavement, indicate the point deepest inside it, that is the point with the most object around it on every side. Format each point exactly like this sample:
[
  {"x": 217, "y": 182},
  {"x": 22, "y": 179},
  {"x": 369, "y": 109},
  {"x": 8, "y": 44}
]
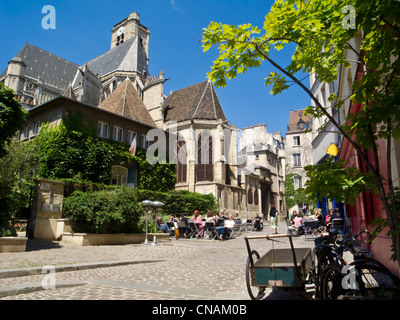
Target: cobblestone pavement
[{"x": 184, "y": 269}]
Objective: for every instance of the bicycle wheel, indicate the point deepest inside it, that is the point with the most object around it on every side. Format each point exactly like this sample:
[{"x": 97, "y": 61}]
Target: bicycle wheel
[
  {"x": 376, "y": 281},
  {"x": 255, "y": 292},
  {"x": 331, "y": 284}
]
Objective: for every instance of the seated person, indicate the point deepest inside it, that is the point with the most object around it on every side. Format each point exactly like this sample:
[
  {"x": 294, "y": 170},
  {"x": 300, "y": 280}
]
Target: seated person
[
  {"x": 298, "y": 222},
  {"x": 227, "y": 228},
  {"x": 186, "y": 229},
  {"x": 258, "y": 225},
  {"x": 294, "y": 215},
  {"x": 160, "y": 226},
  {"x": 210, "y": 216},
  {"x": 198, "y": 220}
]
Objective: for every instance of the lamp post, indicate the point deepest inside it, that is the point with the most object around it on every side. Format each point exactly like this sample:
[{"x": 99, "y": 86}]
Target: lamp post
[
  {"x": 146, "y": 203},
  {"x": 156, "y": 204}
]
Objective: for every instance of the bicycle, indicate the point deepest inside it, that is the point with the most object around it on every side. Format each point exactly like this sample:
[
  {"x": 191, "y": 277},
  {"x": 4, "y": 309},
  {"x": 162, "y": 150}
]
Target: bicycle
[
  {"x": 365, "y": 278},
  {"x": 325, "y": 253}
]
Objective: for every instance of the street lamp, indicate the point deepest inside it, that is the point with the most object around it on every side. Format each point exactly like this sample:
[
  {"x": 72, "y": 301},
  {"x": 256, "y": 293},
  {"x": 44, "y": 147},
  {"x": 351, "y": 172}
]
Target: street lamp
[
  {"x": 146, "y": 203},
  {"x": 301, "y": 123},
  {"x": 156, "y": 205}
]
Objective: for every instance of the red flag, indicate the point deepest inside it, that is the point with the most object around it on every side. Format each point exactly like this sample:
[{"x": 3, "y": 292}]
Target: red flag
[{"x": 132, "y": 148}]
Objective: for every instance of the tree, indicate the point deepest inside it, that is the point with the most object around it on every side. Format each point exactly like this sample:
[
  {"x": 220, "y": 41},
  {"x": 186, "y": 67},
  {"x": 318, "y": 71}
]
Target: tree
[
  {"x": 12, "y": 116},
  {"x": 294, "y": 196},
  {"x": 320, "y": 34}
]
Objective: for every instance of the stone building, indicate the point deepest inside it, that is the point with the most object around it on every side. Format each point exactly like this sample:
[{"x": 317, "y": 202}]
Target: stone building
[
  {"x": 299, "y": 150},
  {"x": 262, "y": 167}
]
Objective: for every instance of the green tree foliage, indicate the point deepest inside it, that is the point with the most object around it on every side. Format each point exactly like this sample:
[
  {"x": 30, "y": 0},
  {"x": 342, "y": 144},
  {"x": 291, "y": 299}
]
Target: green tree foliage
[
  {"x": 292, "y": 196},
  {"x": 17, "y": 173},
  {"x": 12, "y": 116},
  {"x": 71, "y": 151},
  {"x": 317, "y": 33}
]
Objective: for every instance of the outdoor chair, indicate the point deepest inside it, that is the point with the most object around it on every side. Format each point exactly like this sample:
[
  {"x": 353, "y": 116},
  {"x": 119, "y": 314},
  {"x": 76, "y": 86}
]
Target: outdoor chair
[
  {"x": 171, "y": 228},
  {"x": 210, "y": 231},
  {"x": 236, "y": 229},
  {"x": 195, "y": 231},
  {"x": 183, "y": 231},
  {"x": 310, "y": 226},
  {"x": 249, "y": 223},
  {"x": 337, "y": 226}
]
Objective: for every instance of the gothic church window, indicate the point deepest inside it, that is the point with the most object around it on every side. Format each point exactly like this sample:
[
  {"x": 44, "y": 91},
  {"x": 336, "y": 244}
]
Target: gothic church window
[
  {"x": 205, "y": 167},
  {"x": 250, "y": 196},
  {"x": 181, "y": 161}
]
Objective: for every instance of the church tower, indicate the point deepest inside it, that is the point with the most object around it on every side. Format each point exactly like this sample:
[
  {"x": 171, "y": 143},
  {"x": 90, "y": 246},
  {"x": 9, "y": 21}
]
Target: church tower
[{"x": 128, "y": 29}]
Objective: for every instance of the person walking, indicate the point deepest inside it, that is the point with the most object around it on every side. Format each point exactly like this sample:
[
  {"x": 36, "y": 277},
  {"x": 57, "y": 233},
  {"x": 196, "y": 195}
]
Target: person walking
[{"x": 273, "y": 214}]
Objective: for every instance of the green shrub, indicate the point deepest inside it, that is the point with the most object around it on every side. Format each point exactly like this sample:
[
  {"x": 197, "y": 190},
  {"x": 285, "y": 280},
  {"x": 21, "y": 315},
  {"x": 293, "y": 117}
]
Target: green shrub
[
  {"x": 103, "y": 211},
  {"x": 118, "y": 210},
  {"x": 8, "y": 231}
]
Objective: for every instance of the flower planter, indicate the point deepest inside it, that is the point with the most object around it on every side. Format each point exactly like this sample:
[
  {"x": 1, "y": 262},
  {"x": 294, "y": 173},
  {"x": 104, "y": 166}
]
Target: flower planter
[
  {"x": 13, "y": 244},
  {"x": 87, "y": 239}
]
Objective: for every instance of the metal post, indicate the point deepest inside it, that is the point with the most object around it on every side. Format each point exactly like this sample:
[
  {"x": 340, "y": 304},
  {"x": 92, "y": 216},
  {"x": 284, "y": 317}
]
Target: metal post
[{"x": 146, "y": 203}]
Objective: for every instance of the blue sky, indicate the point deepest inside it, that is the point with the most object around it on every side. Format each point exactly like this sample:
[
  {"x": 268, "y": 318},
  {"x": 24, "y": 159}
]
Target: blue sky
[{"x": 83, "y": 32}]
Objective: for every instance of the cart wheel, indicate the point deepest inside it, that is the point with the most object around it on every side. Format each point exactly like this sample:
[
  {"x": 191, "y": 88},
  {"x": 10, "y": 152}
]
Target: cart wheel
[{"x": 255, "y": 292}]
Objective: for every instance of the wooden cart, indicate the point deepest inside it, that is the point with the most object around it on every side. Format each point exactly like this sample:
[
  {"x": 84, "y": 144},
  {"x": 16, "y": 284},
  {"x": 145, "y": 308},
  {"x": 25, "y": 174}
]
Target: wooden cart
[{"x": 286, "y": 267}]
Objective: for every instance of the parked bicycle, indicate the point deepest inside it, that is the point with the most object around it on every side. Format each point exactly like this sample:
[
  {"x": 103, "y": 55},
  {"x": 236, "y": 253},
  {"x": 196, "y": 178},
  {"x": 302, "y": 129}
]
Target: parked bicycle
[{"x": 364, "y": 278}]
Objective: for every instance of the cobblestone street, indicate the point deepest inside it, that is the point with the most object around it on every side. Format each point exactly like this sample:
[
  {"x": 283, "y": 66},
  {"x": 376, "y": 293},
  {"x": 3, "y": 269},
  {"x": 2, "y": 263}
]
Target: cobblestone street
[{"x": 184, "y": 269}]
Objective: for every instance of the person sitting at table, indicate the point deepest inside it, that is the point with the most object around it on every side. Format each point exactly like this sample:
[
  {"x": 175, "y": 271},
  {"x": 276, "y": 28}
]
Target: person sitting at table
[
  {"x": 227, "y": 228},
  {"x": 160, "y": 226},
  {"x": 186, "y": 229},
  {"x": 258, "y": 225},
  {"x": 299, "y": 223},
  {"x": 328, "y": 219},
  {"x": 318, "y": 216},
  {"x": 294, "y": 215},
  {"x": 198, "y": 220},
  {"x": 210, "y": 216}
]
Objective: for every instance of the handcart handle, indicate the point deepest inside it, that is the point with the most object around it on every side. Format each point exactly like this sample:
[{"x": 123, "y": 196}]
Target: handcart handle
[{"x": 268, "y": 236}]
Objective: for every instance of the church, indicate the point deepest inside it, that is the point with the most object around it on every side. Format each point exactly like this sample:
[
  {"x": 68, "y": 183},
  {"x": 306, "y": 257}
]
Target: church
[{"x": 125, "y": 102}]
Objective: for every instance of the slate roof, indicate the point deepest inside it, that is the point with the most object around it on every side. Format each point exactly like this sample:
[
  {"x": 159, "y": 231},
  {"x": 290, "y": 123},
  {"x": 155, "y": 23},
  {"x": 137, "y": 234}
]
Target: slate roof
[
  {"x": 50, "y": 67},
  {"x": 294, "y": 118},
  {"x": 129, "y": 55},
  {"x": 199, "y": 101},
  {"x": 125, "y": 102}
]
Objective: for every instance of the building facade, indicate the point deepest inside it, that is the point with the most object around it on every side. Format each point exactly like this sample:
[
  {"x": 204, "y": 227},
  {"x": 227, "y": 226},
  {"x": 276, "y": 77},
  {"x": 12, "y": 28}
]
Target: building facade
[{"x": 299, "y": 151}]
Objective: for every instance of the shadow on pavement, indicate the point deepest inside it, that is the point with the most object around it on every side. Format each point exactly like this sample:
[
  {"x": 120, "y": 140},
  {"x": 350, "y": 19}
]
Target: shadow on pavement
[{"x": 36, "y": 245}]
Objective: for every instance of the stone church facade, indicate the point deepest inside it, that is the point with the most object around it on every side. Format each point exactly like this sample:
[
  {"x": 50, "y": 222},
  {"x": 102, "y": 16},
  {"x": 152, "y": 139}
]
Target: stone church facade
[{"x": 116, "y": 91}]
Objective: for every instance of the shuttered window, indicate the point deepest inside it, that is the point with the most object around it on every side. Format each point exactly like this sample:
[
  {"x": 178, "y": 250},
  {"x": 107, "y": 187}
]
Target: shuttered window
[
  {"x": 250, "y": 196},
  {"x": 205, "y": 167},
  {"x": 181, "y": 161}
]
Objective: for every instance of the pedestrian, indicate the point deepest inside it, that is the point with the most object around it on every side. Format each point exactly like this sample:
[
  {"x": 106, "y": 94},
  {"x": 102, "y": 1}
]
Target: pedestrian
[{"x": 273, "y": 215}]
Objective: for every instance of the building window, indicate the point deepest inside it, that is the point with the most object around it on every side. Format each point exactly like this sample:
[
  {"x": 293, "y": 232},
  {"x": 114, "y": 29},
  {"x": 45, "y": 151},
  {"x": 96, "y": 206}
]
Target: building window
[
  {"x": 131, "y": 136},
  {"x": 27, "y": 131},
  {"x": 119, "y": 176},
  {"x": 181, "y": 161},
  {"x": 296, "y": 140},
  {"x": 256, "y": 197},
  {"x": 145, "y": 142},
  {"x": 37, "y": 127},
  {"x": 118, "y": 134},
  {"x": 298, "y": 183},
  {"x": 250, "y": 196},
  {"x": 205, "y": 167},
  {"x": 103, "y": 130},
  {"x": 296, "y": 160}
]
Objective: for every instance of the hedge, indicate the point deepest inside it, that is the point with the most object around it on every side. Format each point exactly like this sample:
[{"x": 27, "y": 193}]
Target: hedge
[{"x": 118, "y": 210}]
